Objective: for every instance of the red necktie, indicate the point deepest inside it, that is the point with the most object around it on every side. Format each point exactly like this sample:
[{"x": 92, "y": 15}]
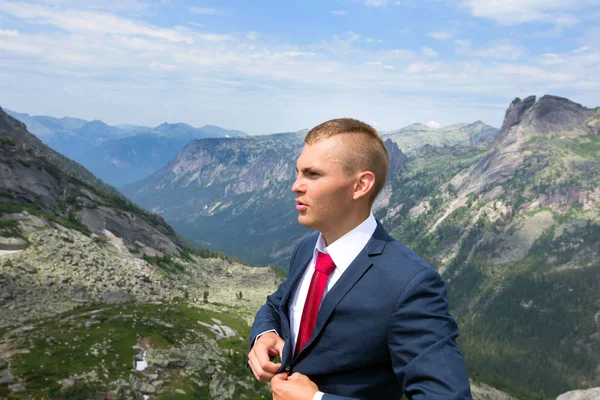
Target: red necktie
[{"x": 323, "y": 268}]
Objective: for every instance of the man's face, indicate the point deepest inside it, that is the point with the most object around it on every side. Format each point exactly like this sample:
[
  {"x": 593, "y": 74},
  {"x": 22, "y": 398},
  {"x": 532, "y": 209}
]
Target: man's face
[{"x": 324, "y": 190}]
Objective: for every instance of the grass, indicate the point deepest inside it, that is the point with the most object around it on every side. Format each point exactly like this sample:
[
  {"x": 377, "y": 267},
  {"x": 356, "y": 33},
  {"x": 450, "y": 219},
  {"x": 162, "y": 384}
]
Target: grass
[
  {"x": 10, "y": 228},
  {"x": 586, "y": 146},
  {"x": 64, "y": 346}
]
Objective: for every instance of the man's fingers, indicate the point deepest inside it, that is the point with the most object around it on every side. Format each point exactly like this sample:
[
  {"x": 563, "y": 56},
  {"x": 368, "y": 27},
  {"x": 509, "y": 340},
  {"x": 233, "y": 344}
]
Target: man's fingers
[
  {"x": 280, "y": 377},
  {"x": 296, "y": 376},
  {"x": 257, "y": 370},
  {"x": 263, "y": 371},
  {"x": 279, "y": 346},
  {"x": 252, "y": 369},
  {"x": 265, "y": 362}
]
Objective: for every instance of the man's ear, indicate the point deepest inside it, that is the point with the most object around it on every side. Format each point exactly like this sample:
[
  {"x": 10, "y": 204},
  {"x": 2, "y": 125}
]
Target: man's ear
[{"x": 364, "y": 184}]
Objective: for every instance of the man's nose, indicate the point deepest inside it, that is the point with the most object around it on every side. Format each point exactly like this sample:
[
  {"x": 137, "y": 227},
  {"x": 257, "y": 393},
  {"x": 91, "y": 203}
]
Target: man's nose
[{"x": 297, "y": 186}]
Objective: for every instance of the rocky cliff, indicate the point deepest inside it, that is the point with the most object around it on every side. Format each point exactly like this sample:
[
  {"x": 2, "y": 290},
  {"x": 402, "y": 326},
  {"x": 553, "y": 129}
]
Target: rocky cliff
[
  {"x": 413, "y": 137},
  {"x": 234, "y": 194},
  {"x": 35, "y": 180},
  {"x": 549, "y": 117}
]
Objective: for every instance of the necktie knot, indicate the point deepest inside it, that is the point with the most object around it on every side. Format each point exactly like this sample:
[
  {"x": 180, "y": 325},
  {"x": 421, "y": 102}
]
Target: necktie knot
[{"x": 324, "y": 264}]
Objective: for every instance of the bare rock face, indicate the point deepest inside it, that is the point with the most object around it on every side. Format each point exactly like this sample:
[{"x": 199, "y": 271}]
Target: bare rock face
[
  {"x": 397, "y": 157},
  {"x": 550, "y": 115},
  {"x": 589, "y": 394},
  {"x": 558, "y": 116},
  {"x": 54, "y": 189},
  {"x": 126, "y": 225}
]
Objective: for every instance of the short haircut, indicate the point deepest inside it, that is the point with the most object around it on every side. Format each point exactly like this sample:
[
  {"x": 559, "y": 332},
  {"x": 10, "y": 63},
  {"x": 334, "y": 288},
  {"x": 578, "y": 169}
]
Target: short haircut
[{"x": 365, "y": 151}]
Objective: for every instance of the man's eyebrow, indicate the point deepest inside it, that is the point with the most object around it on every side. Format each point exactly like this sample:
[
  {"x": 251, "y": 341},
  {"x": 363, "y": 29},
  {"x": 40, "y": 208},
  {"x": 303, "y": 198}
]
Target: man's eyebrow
[{"x": 310, "y": 169}]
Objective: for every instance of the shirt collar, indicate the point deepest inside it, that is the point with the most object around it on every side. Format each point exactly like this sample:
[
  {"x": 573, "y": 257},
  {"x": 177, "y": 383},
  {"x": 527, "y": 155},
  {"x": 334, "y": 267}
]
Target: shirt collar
[{"x": 344, "y": 250}]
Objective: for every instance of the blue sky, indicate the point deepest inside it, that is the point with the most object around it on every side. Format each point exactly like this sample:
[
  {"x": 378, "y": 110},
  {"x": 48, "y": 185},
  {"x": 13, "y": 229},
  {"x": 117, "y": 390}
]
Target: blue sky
[{"x": 274, "y": 66}]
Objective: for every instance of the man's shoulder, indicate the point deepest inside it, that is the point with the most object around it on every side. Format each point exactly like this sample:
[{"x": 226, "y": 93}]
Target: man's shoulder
[{"x": 396, "y": 257}]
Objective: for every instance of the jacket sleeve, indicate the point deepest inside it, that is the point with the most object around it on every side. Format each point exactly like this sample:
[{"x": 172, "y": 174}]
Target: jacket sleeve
[
  {"x": 267, "y": 318},
  {"x": 421, "y": 340},
  {"x": 336, "y": 397}
]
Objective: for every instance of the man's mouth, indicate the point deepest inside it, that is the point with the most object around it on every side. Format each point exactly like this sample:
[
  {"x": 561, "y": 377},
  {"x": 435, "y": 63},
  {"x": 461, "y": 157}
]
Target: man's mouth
[{"x": 300, "y": 206}]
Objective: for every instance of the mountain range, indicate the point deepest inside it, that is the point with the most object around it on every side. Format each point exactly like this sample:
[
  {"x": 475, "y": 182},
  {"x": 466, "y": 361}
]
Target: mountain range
[
  {"x": 120, "y": 154},
  {"x": 99, "y": 299},
  {"x": 216, "y": 191},
  {"x": 413, "y": 137},
  {"x": 513, "y": 225}
]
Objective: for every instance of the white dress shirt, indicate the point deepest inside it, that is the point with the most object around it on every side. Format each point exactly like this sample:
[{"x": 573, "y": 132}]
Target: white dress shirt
[{"x": 343, "y": 251}]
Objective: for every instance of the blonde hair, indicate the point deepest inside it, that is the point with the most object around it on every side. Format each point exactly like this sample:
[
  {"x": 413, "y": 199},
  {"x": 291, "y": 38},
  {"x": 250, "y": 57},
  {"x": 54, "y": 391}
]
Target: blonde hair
[{"x": 365, "y": 151}]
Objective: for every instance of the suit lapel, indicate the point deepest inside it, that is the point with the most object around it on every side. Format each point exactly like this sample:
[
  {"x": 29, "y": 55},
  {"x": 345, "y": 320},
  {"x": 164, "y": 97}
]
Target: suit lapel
[
  {"x": 349, "y": 278},
  {"x": 298, "y": 270}
]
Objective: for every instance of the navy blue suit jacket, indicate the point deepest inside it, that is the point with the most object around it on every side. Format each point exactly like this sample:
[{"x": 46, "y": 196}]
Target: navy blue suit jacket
[{"x": 384, "y": 329}]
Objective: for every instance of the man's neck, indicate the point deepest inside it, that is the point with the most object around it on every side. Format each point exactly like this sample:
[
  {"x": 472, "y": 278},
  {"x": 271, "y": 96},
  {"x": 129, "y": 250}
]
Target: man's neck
[{"x": 350, "y": 224}]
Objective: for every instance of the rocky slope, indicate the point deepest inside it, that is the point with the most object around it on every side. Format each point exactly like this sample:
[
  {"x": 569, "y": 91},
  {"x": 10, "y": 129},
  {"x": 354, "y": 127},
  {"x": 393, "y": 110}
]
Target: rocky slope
[
  {"x": 37, "y": 181},
  {"x": 234, "y": 194},
  {"x": 413, "y": 137},
  {"x": 101, "y": 300}
]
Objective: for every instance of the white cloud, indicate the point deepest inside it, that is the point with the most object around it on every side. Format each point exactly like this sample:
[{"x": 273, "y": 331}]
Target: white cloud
[
  {"x": 216, "y": 37},
  {"x": 8, "y": 33},
  {"x": 88, "y": 21},
  {"x": 503, "y": 50},
  {"x": 441, "y": 35},
  {"x": 343, "y": 44},
  {"x": 581, "y": 49},
  {"x": 107, "y": 71},
  {"x": 377, "y": 3},
  {"x": 433, "y": 124},
  {"x": 103, "y": 5},
  {"x": 20, "y": 48},
  {"x": 337, "y": 12},
  {"x": 162, "y": 67},
  {"x": 532, "y": 72},
  {"x": 428, "y": 52},
  {"x": 395, "y": 54},
  {"x": 514, "y": 12},
  {"x": 209, "y": 11},
  {"x": 300, "y": 54},
  {"x": 551, "y": 59},
  {"x": 418, "y": 68},
  {"x": 380, "y": 64}
]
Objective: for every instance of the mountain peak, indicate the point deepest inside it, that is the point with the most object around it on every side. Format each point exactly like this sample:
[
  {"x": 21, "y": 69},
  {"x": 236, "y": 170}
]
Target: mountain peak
[{"x": 548, "y": 115}]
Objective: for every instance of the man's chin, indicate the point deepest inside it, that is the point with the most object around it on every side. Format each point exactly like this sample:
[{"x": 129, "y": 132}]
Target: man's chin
[{"x": 305, "y": 221}]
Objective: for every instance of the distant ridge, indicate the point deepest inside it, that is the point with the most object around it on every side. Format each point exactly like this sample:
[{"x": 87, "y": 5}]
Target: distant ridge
[{"x": 118, "y": 154}]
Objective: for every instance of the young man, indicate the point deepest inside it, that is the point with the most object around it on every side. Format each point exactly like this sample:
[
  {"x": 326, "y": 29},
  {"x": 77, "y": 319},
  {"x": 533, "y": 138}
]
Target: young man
[{"x": 360, "y": 316}]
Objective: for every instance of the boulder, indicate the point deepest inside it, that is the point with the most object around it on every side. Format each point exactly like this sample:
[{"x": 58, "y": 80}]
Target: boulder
[
  {"x": 7, "y": 379},
  {"x": 116, "y": 297},
  {"x": 12, "y": 243},
  {"x": 147, "y": 388},
  {"x": 28, "y": 267},
  {"x": 17, "y": 388}
]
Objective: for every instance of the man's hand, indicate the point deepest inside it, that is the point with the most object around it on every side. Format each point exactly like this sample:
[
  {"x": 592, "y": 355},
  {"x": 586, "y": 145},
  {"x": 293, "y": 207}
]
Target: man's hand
[
  {"x": 266, "y": 346},
  {"x": 293, "y": 387}
]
